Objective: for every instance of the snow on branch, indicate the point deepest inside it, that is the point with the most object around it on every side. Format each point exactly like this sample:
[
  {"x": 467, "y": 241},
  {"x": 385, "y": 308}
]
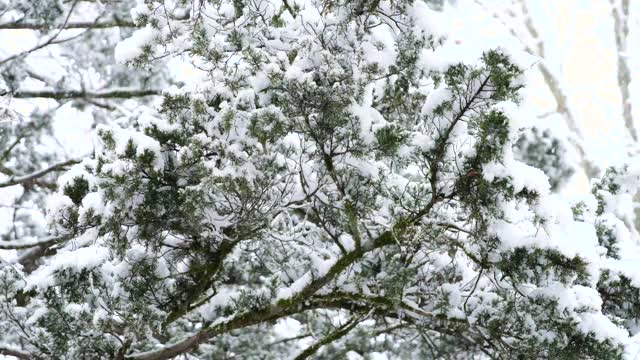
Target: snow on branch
[
  {"x": 9, "y": 351},
  {"x": 82, "y": 94},
  {"x": 38, "y": 174},
  {"x": 72, "y": 25},
  {"x": 20, "y": 244}
]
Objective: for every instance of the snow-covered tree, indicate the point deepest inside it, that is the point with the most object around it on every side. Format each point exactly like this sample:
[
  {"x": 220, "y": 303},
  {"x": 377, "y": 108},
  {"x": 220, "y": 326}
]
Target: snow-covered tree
[
  {"x": 57, "y": 74},
  {"x": 329, "y": 188}
]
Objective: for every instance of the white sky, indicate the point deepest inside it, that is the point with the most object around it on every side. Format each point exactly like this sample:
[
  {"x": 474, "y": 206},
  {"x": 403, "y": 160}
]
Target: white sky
[{"x": 580, "y": 49}]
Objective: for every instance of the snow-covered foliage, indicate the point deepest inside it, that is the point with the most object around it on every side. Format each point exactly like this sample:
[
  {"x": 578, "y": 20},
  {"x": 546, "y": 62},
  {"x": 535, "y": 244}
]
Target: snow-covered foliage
[
  {"x": 58, "y": 81},
  {"x": 329, "y": 187},
  {"x": 541, "y": 149}
]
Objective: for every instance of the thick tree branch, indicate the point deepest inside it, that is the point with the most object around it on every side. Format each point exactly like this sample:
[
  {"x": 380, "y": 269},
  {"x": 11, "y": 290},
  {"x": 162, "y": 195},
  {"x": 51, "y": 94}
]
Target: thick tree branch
[
  {"x": 20, "y": 245},
  {"x": 287, "y": 306},
  {"x": 203, "y": 280},
  {"x": 29, "y": 258},
  {"x": 15, "y": 353}
]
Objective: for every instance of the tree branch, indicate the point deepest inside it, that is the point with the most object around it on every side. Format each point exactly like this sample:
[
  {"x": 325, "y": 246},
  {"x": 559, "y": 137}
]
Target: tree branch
[
  {"x": 29, "y": 258},
  {"x": 82, "y": 94},
  {"x": 336, "y": 335},
  {"x": 299, "y": 301},
  {"x": 15, "y": 353},
  {"x": 49, "y": 41},
  {"x": 621, "y": 31},
  {"x": 38, "y": 174},
  {"x": 291, "y": 305},
  {"x": 74, "y": 25},
  {"x": 20, "y": 245}
]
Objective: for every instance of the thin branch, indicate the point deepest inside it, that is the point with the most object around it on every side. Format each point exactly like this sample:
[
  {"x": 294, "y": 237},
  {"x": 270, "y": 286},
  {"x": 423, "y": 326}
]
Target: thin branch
[
  {"x": 285, "y": 340},
  {"x": 336, "y": 335},
  {"x": 621, "y": 31},
  {"x": 289, "y": 8},
  {"x": 82, "y": 94},
  {"x": 74, "y": 25},
  {"x": 50, "y": 41},
  {"x": 38, "y": 174},
  {"x": 561, "y": 108}
]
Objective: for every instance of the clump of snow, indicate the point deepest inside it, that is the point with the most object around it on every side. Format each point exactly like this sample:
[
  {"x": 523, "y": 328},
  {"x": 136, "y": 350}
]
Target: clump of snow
[
  {"x": 57, "y": 204},
  {"x": 132, "y": 47},
  {"x": 426, "y": 19},
  {"x": 513, "y": 113},
  {"x": 224, "y": 297},
  {"x": 141, "y": 142},
  {"x": 78, "y": 171},
  {"x": 364, "y": 167},
  {"x": 37, "y": 314},
  {"x": 436, "y": 98},
  {"x": 112, "y": 272},
  {"x": 288, "y": 327},
  {"x": 379, "y": 47},
  {"x": 76, "y": 309},
  {"x": 295, "y": 288},
  {"x": 77, "y": 260},
  {"x": 347, "y": 242},
  {"x": 147, "y": 121},
  {"x": 139, "y": 10},
  {"x": 576, "y": 297},
  {"x": 587, "y": 302},
  {"x": 370, "y": 121},
  {"x": 522, "y": 176},
  {"x": 434, "y": 61},
  {"x": 571, "y": 239},
  {"x": 93, "y": 201},
  {"x": 602, "y": 328},
  {"x": 320, "y": 268}
]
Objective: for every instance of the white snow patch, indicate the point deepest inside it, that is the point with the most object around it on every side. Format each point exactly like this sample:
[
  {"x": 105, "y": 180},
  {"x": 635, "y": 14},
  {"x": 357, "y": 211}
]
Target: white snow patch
[
  {"x": 79, "y": 259},
  {"x": 130, "y": 48}
]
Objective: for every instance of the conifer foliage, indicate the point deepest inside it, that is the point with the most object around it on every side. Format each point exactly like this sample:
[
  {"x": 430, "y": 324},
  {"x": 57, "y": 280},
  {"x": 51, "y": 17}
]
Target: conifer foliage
[{"x": 331, "y": 188}]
